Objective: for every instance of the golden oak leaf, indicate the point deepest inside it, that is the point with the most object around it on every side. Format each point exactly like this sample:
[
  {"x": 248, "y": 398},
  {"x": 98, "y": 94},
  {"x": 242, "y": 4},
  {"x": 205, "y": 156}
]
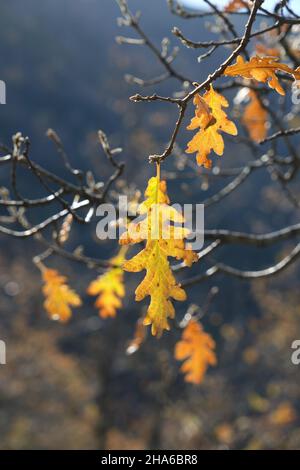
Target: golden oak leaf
[
  {"x": 196, "y": 349},
  {"x": 211, "y": 119},
  {"x": 263, "y": 70},
  {"x": 109, "y": 287},
  {"x": 59, "y": 297},
  {"x": 255, "y": 118},
  {"x": 163, "y": 240},
  {"x": 235, "y": 5}
]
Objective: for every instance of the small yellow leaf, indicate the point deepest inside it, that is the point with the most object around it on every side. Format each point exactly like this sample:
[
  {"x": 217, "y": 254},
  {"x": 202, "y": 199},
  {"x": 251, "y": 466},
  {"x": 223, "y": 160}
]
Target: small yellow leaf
[
  {"x": 263, "y": 70},
  {"x": 211, "y": 119},
  {"x": 59, "y": 296},
  {"x": 196, "y": 348},
  {"x": 109, "y": 287}
]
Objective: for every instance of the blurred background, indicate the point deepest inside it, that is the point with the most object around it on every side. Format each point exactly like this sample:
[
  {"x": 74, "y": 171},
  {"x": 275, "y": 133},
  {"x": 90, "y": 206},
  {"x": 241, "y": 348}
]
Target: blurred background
[{"x": 73, "y": 386}]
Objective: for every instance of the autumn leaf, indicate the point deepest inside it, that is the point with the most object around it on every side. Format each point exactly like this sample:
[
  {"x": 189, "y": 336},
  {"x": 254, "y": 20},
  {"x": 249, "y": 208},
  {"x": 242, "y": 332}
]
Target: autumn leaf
[
  {"x": 283, "y": 415},
  {"x": 263, "y": 70},
  {"x": 255, "y": 118},
  {"x": 59, "y": 297},
  {"x": 109, "y": 287},
  {"x": 211, "y": 119},
  {"x": 163, "y": 240},
  {"x": 196, "y": 349},
  {"x": 235, "y": 5}
]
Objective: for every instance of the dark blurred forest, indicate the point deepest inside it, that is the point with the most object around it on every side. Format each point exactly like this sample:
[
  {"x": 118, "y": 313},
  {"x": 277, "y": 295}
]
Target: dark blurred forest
[{"x": 73, "y": 386}]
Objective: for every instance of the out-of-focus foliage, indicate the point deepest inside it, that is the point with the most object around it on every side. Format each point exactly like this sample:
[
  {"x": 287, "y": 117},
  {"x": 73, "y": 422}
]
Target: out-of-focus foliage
[
  {"x": 109, "y": 287},
  {"x": 255, "y": 118},
  {"x": 196, "y": 349},
  {"x": 235, "y": 5}
]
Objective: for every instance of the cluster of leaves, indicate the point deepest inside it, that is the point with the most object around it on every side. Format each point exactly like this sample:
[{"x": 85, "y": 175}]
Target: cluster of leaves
[
  {"x": 159, "y": 227},
  {"x": 211, "y": 119}
]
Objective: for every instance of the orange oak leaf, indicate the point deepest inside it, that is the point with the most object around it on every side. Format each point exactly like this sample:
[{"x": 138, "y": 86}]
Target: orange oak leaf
[
  {"x": 235, "y": 5},
  {"x": 196, "y": 349},
  {"x": 211, "y": 120},
  {"x": 59, "y": 298},
  {"x": 109, "y": 287},
  {"x": 255, "y": 118},
  {"x": 263, "y": 70},
  {"x": 164, "y": 238}
]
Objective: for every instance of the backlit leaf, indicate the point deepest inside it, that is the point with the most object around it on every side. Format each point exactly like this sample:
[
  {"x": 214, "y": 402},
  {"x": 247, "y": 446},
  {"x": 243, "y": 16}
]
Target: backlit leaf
[
  {"x": 263, "y": 70},
  {"x": 163, "y": 240},
  {"x": 109, "y": 287},
  {"x": 235, "y": 5},
  {"x": 211, "y": 120},
  {"x": 255, "y": 118},
  {"x": 196, "y": 349},
  {"x": 59, "y": 297}
]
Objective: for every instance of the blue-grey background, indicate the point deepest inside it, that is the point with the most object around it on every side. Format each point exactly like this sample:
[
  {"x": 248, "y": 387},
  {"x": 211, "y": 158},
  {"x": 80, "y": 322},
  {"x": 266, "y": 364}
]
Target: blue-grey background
[{"x": 73, "y": 386}]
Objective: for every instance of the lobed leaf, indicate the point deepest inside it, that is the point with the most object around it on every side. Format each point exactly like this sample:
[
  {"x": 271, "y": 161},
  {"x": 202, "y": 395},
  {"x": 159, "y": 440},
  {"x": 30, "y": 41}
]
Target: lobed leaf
[
  {"x": 59, "y": 297},
  {"x": 196, "y": 349},
  {"x": 211, "y": 119},
  {"x": 109, "y": 287},
  {"x": 263, "y": 70},
  {"x": 163, "y": 240}
]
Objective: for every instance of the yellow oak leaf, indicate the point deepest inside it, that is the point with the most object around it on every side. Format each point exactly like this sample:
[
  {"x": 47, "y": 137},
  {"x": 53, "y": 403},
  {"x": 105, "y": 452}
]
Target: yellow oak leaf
[
  {"x": 59, "y": 297},
  {"x": 196, "y": 349},
  {"x": 255, "y": 118},
  {"x": 211, "y": 119},
  {"x": 263, "y": 70},
  {"x": 109, "y": 287},
  {"x": 163, "y": 240}
]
